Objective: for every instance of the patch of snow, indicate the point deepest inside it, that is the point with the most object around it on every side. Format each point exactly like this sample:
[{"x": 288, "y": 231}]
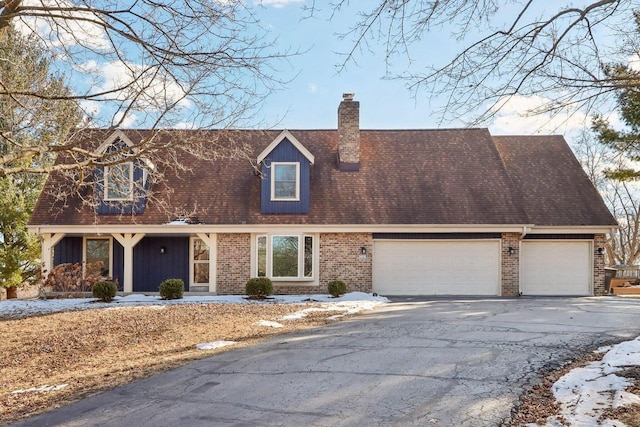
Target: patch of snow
[
  {"x": 269, "y": 323},
  {"x": 301, "y": 314},
  {"x": 41, "y": 389},
  {"x": 214, "y": 344},
  {"x": 16, "y": 308},
  {"x": 178, "y": 222},
  {"x": 585, "y": 393},
  {"x": 346, "y": 306}
]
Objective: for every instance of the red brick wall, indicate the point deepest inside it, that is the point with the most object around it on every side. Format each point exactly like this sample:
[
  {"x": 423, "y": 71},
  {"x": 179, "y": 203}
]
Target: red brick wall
[
  {"x": 349, "y": 131},
  {"x": 510, "y": 264},
  {"x": 598, "y": 265},
  {"x": 234, "y": 263},
  {"x": 341, "y": 259}
]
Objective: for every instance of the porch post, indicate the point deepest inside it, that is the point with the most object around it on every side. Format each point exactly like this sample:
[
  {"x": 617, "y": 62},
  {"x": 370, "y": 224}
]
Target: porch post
[
  {"x": 48, "y": 242},
  {"x": 128, "y": 242},
  {"x": 211, "y": 240}
]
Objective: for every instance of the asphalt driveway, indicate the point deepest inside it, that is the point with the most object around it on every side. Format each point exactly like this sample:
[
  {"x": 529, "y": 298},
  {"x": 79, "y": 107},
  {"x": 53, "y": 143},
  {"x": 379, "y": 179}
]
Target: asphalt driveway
[{"x": 446, "y": 362}]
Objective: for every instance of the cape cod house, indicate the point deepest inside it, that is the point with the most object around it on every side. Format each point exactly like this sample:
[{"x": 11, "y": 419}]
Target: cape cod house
[{"x": 397, "y": 212}]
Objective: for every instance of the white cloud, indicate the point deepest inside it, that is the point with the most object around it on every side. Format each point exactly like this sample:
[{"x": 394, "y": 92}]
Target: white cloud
[
  {"x": 277, "y": 3},
  {"x": 514, "y": 117},
  {"x": 75, "y": 28},
  {"x": 127, "y": 121},
  {"x": 634, "y": 62},
  {"x": 150, "y": 89},
  {"x": 185, "y": 125}
]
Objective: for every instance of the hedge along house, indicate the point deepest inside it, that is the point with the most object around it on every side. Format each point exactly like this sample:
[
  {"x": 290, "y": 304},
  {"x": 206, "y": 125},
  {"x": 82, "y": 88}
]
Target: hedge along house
[{"x": 397, "y": 212}]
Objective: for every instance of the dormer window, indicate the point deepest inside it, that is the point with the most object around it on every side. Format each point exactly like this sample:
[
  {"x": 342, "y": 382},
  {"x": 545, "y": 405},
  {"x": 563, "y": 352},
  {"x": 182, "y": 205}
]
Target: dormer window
[
  {"x": 285, "y": 176},
  {"x": 285, "y": 181},
  {"x": 118, "y": 182}
]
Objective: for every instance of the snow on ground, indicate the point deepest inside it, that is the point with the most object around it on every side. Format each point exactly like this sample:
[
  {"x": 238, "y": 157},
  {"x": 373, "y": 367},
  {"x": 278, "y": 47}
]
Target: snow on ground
[
  {"x": 214, "y": 344},
  {"x": 349, "y": 303},
  {"x": 584, "y": 393},
  {"x": 269, "y": 324}
]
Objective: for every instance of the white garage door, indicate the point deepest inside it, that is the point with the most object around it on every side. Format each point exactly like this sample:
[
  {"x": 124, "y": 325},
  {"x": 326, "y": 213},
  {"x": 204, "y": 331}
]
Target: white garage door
[
  {"x": 451, "y": 267},
  {"x": 555, "y": 268}
]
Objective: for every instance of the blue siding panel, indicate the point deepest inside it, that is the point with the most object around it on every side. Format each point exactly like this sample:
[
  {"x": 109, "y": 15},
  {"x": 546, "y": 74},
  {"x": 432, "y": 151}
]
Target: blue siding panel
[
  {"x": 118, "y": 264},
  {"x": 285, "y": 152},
  {"x": 150, "y": 267},
  {"x": 68, "y": 250}
]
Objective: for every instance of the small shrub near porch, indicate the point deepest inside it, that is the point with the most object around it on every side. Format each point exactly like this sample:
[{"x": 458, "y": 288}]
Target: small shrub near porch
[
  {"x": 104, "y": 290},
  {"x": 259, "y": 287},
  {"x": 172, "y": 289}
]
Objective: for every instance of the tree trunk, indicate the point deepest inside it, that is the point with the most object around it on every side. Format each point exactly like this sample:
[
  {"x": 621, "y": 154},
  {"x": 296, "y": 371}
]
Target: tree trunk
[{"x": 12, "y": 292}]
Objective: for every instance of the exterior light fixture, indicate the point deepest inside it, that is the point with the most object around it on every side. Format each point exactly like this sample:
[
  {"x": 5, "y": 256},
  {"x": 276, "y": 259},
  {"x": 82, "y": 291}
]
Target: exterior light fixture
[
  {"x": 600, "y": 251},
  {"x": 363, "y": 250},
  {"x": 512, "y": 250}
]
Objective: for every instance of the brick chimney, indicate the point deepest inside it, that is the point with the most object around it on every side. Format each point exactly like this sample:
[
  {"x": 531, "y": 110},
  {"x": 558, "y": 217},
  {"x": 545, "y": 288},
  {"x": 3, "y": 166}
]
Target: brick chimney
[{"x": 349, "y": 134}]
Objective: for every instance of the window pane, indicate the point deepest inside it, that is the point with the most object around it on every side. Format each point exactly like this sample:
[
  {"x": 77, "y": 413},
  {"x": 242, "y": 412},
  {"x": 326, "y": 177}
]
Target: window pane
[
  {"x": 284, "y": 184},
  {"x": 308, "y": 256},
  {"x": 285, "y": 172},
  {"x": 119, "y": 181},
  {"x": 262, "y": 256},
  {"x": 285, "y": 256},
  {"x": 200, "y": 250},
  {"x": 98, "y": 251},
  {"x": 201, "y": 272}
]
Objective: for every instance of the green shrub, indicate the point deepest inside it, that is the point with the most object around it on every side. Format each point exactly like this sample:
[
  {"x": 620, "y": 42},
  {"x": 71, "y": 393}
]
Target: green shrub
[
  {"x": 337, "y": 288},
  {"x": 172, "y": 289},
  {"x": 259, "y": 287},
  {"x": 104, "y": 290}
]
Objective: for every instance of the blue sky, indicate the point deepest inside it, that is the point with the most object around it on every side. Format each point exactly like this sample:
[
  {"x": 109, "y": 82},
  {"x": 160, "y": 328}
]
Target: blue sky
[
  {"x": 314, "y": 81},
  {"x": 311, "y": 99}
]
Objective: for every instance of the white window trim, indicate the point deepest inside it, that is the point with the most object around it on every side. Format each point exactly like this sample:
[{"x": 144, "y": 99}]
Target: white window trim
[
  {"x": 273, "y": 182},
  {"x": 192, "y": 262},
  {"x": 106, "y": 184},
  {"x": 84, "y": 252},
  {"x": 313, "y": 279}
]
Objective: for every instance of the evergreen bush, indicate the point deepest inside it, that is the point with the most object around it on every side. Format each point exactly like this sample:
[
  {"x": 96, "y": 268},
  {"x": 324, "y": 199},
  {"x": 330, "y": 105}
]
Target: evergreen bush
[
  {"x": 172, "y": 289},
  {"x": 104, "y": 290},
  {"x": 337, "y": 288},
  {"x": 259, "y": 287}
]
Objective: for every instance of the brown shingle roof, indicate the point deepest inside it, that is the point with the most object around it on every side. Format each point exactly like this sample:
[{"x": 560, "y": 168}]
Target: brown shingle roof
[
  {"x": 456, "y": 176},
  {"x": 555, "y": 189}
]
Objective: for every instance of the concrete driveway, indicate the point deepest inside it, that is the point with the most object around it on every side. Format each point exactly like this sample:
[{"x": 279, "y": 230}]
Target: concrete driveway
[{"x": 446, "y": 362}]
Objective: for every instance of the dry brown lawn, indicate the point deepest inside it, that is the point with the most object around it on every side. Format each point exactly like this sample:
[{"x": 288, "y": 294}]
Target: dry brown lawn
[{"x": 99, "y": 349}]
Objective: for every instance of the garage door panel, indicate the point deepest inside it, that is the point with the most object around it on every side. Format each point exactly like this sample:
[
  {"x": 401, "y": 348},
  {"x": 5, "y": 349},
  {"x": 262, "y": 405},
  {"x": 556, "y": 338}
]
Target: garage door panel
[
  {"x": 436, "y": 267},
  {"x": 555, "y": 268}
]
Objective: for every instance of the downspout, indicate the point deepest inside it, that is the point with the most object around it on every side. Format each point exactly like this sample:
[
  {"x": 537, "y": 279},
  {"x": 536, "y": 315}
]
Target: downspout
[{"x": 524, "y": 232}]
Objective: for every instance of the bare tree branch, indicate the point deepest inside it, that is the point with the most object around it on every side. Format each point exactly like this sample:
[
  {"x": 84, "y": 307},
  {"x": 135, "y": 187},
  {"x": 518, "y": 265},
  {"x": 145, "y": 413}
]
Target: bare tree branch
[
  {"x": 151, "y": 64},
  {"x": 510, "y": 48}
]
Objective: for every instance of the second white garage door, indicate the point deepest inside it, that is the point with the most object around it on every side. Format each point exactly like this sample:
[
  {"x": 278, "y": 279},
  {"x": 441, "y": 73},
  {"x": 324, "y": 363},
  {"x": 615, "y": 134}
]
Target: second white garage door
[
  {"x": 443, "y": 267},
  {"x": 555, "y": 267}
]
